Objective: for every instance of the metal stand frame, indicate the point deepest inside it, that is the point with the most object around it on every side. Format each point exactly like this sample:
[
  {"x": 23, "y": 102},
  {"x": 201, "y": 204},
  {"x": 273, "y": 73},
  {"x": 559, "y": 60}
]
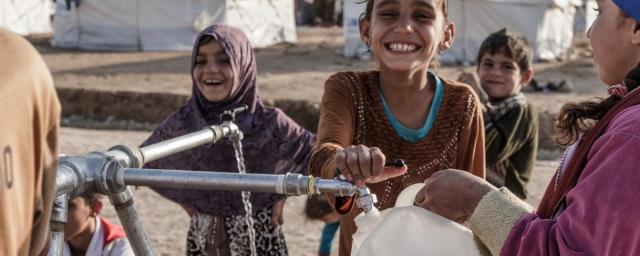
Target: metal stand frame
[{"x": 110, "y": 173}]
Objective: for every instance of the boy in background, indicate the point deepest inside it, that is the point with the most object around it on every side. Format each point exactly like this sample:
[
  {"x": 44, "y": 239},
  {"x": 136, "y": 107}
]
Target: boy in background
[
  {"x": 511, "y": 123},
  {"x": 86, "y": 233}
]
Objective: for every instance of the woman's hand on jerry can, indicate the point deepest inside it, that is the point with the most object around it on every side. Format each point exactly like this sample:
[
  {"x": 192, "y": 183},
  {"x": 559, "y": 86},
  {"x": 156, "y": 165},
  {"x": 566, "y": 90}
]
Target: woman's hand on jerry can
[
  {"x": 453, "y": 194},
  {"x": 361, "y": 164}
]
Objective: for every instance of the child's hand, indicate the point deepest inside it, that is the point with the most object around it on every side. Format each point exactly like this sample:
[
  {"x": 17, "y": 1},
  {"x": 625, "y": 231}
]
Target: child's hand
[
  {"x": 470, "y": 79},
  {"x": 361, "y": 164},
  {"x": 277, "y": 212}
]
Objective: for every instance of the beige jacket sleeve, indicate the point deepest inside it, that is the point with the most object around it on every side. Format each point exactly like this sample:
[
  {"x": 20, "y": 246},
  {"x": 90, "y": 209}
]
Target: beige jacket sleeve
[
  {"x": 49, "y": 161},
  {"x": 495, "y": 216},
  {"x": 28, "y": 146}
]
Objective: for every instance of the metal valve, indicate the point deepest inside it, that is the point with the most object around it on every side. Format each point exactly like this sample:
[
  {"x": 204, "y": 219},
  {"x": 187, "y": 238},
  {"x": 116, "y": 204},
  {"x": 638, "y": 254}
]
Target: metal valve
[{"x": 230, "y": 115}]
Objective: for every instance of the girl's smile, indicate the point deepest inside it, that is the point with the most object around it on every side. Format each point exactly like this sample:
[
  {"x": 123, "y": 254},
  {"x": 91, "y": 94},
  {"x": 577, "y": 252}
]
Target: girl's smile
[
  {"x": 212, "y": 72},
  {"x": 406, "y": 35},
  {"x": 500, "y": 75},
  {"x": 402, "y": 48}
]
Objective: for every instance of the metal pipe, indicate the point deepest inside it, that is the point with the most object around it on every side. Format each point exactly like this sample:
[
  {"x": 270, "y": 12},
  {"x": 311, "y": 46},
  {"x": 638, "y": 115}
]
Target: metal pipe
[
  {"x": 67, "y": 179},
  {"x": 78, "y": 174},
  {"x": 201, "y": 180},
  {"x": 57, "y": 243},
  {"x": 336, "y": 187},
  {"x": 132, "y": 223},
  {"x": 208, "y": 135},
  {"x": 288, "y": 184},
  {"x": 127, "y": 156},
  {"x": 58, "y": 221}
]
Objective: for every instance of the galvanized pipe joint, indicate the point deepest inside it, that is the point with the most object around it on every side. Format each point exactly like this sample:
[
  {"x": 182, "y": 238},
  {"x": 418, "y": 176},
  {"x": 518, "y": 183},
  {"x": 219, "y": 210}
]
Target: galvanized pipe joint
[
  {"x": 111, "y": 172},
  {"x": 101, "y": 173}
]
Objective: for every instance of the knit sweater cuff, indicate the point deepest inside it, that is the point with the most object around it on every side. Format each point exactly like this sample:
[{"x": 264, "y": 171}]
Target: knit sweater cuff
[
  {"x": 495, "y": 216},
  {"x": 322, "y": 165}
]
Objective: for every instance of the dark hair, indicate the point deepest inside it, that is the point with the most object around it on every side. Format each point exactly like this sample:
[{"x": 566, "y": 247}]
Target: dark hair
[
  {"x": 369, "y": 9},
  {"x": 505, "y": 42},
  {"x": 205, "y": 40},
  {"x": 91, "y": 197},
  {"x": 577, "y": 118}
]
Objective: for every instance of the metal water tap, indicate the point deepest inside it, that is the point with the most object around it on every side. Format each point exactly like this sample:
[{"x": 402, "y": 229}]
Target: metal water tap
[
  {"x": 296, "y": 184},
  {"x": 112, "y": 171},
  {"x": 230, "y": 115},
  {"x": 228, "y": 119},
  {"x": 365, "y": 199}
]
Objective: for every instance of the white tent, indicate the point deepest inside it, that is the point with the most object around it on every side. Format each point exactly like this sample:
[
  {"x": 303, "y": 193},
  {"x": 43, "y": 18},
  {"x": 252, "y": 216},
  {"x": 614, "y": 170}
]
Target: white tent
[
  {"x": 547, "y": 25},
  {"x": 590, "y": 13},
  {"x": 158, "y": 25},
  {"x": 26, "y": 17}
]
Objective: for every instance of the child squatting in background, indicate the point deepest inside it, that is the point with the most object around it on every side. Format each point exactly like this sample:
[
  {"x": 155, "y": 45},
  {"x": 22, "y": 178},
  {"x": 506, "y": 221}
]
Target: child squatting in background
[{"x": 510, "y": 121}]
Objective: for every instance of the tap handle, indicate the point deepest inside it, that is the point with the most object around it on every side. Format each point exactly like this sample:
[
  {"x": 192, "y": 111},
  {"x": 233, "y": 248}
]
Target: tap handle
[
  {"x": 230, "y": 115},
  {"x": 365, "y": 199}
]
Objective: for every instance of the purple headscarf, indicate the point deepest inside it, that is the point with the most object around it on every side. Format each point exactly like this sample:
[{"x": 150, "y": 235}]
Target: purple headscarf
[{"x": 273, "y": 143}]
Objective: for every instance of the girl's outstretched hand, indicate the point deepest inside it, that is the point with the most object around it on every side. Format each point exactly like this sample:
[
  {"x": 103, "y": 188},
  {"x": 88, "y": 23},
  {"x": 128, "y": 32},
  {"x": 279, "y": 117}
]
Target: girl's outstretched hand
[
  {"x": 277, "y": 212},
  {"x": 453, "y": 194},
  {"x": 361, "y": 164}
]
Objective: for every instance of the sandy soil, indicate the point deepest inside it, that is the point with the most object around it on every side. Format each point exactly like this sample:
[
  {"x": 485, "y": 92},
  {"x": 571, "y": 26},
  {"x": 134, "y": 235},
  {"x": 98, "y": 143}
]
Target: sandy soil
[{"x": 292, "y": 71}]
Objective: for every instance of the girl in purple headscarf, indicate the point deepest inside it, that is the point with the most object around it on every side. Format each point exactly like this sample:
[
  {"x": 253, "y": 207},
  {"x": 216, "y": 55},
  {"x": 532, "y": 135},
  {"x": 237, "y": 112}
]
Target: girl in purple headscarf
[{"x": 223, "y": 70}]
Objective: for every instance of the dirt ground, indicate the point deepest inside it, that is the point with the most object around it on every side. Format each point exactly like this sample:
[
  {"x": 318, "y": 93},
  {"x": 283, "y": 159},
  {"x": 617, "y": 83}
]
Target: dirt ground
[{"x": 286, "y": 71}]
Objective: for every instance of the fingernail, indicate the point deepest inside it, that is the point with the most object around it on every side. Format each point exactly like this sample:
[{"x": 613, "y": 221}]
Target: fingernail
[{"x": 398, "y": 163}]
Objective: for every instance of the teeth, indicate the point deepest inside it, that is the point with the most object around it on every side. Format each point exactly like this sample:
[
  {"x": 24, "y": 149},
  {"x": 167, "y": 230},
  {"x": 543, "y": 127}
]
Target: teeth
[
  {"x": 398, "y": 47},
  {"x": 212, "y": 81}
]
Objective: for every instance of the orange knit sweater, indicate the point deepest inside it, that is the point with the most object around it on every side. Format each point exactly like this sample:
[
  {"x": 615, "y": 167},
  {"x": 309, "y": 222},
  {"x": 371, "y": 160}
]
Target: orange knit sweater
[{"x": 352, "y": 113}]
